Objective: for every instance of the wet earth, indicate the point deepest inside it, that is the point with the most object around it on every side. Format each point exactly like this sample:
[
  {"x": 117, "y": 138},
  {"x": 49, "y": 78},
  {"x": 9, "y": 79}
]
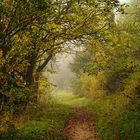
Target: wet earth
[{"x": 80, "y": 126}]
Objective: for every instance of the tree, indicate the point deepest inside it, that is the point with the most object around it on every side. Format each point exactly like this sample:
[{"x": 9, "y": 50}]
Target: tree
[
  {"x": 32, "y": 32},
  {"x": 115, "y": 55}
]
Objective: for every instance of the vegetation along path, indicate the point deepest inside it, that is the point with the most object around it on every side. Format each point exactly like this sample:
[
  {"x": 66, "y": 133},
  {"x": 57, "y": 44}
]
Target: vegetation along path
[{"x": 80, "y": 127}]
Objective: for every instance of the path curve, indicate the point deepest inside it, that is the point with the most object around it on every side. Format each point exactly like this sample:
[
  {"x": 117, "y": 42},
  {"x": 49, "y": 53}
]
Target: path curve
[{"x": 80, "y": 127}]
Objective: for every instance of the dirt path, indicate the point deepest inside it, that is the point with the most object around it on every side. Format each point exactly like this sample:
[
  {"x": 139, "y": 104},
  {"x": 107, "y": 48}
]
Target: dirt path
[{"x": 80, "y": 127}]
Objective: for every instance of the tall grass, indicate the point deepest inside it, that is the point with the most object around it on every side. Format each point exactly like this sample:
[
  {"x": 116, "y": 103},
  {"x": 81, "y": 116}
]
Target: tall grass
[
  {"x": 115, "y": 119},
  {"x": 46, "y": 122}
]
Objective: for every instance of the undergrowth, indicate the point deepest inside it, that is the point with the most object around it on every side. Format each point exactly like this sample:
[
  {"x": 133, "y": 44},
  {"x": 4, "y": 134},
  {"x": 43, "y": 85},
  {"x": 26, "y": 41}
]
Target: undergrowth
[
  {"x": 46, "y": 124},
  {"x": 116, "y": 116},
  {"x": 115, "y": 119}
]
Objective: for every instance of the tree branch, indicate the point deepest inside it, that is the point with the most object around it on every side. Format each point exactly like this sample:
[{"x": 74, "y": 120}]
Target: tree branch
[{"x": 40, "y": 68}]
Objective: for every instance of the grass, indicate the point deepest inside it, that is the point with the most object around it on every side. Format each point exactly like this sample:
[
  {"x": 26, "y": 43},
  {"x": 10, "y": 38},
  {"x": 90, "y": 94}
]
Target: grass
[
  {"x": 114, "y": 118},
  {"x": 70, "y": 99},
  {"x": 114, "y": 115},
  {"x": 47, "y": 124}
]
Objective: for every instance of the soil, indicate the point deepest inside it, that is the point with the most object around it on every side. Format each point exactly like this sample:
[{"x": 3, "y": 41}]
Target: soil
[{"x": 80, "y": 126}]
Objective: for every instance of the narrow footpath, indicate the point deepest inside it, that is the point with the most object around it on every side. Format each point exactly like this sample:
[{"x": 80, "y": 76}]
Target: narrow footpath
[{"x": 80, "y": 126}]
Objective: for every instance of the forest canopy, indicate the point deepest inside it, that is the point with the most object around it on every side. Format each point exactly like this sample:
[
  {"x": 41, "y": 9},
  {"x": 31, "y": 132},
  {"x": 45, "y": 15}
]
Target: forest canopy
[
  {"x": 110, "y": 64},
  {"x": 32, "y": 32}
]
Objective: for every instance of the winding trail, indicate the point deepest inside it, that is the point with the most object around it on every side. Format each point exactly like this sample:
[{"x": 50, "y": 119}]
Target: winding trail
[{"x": 80, "y": 127}]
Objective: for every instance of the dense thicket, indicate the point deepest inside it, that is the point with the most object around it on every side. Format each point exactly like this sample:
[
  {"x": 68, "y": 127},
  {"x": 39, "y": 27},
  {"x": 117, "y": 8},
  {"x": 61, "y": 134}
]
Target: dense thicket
[{"x": 111, "y": 63}]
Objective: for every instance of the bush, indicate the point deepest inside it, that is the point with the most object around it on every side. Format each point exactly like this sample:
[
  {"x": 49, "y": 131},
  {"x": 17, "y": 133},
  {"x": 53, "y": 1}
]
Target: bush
[{"x": 115, "y": 118}]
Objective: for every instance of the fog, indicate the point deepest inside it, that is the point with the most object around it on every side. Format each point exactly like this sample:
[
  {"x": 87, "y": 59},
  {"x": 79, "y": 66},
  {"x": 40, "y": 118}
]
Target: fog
[{"x": 62, "y": 75}]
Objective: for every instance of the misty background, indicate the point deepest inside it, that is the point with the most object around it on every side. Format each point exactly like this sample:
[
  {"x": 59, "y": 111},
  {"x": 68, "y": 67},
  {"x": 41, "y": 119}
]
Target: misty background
[{"x": 59, "y": 72}]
